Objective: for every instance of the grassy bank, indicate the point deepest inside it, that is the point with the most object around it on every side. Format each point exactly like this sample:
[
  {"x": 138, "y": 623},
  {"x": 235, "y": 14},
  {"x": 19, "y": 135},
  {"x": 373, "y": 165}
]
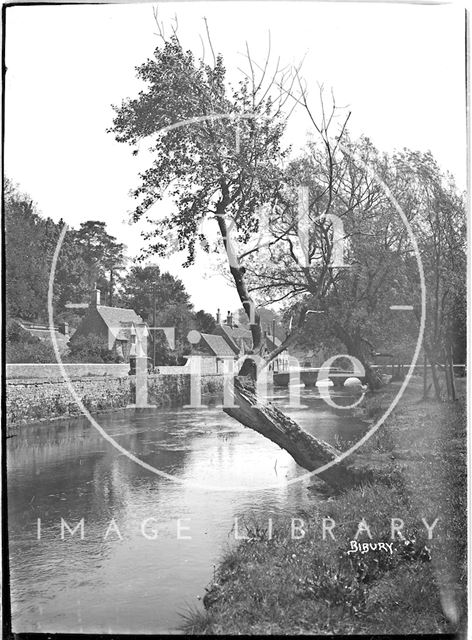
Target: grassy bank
[{"x": 310, "y": 585}]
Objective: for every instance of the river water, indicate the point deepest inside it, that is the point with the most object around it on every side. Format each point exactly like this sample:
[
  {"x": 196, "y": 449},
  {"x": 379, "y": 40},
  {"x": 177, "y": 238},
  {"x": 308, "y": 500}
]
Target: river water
[{"x": 134, "y": 571}]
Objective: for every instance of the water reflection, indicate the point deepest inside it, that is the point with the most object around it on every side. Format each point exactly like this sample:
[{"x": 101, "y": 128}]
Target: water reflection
[{"x": 137, "y": 578}]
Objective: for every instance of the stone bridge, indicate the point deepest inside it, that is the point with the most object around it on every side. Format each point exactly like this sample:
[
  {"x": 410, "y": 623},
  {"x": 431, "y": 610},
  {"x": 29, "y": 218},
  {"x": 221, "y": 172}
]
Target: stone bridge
[{"x": 309, "y": 377}]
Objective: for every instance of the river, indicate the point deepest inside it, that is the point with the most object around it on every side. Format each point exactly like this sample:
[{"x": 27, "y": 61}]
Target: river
[{"x": 133, "y": 571}]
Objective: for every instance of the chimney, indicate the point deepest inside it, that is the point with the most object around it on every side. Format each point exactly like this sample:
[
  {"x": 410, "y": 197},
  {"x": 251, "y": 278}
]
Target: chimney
[
  {"x": 218, "y": 316},
  {"x": 229, "y": 319},
  {"x": 95, "y": 301}
]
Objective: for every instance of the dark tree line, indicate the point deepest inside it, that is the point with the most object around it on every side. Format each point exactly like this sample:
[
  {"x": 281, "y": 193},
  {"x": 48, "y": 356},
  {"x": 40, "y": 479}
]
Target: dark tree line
[{"x": 90, "y": 257}]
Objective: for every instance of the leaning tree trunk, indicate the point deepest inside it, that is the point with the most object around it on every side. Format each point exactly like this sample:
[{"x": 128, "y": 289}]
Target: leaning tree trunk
[
  {"x": 307, "y": 450},
  {"x": 253, "y": 412}
]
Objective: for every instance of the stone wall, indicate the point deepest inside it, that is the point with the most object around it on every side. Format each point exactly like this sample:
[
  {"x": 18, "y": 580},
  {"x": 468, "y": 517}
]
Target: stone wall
[
  {"x": 35, "y": 400},
  {"x": 38, "y": 400},
  {"x": 173, "y": 391},
  {"x": 52, "y": 370}
]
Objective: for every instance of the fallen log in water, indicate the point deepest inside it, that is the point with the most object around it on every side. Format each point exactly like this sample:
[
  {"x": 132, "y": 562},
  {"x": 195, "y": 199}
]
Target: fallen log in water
[{"x": 307, "y": 450}]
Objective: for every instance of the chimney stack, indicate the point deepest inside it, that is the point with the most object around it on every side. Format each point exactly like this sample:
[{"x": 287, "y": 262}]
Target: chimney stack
[
  {"x": 95, "y": 302},
  {"x": 229, "y": 319},
  {"x": 218, "y": 316}
]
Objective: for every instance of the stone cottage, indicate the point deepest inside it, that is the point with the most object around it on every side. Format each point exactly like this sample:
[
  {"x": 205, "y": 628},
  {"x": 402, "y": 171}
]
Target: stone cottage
[
  {"x": 238, "y": 338},
  {"x": 120, "y": 328},
  {"x": 216, "y": 356}
]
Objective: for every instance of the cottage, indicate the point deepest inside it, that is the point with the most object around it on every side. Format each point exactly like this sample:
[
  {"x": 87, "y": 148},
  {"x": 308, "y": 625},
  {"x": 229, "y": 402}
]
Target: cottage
[
  {"x": 216, "y": 356},
  {"x": 239, "y": 339},
  {"x": 119, "y": 327}
]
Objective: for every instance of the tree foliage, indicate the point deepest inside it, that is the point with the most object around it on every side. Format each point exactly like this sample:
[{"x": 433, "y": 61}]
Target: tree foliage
[
  {"x": 88, "y": 256},
  {"x": 160, "y": 297},
  {"x": 103, "y": 256},
  {"x": 22, "y": 347}
]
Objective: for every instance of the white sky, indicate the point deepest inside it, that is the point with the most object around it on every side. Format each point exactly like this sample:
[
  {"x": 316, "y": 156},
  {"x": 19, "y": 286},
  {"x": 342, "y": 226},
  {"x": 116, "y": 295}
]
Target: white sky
[{"x": 400, "y": 68}]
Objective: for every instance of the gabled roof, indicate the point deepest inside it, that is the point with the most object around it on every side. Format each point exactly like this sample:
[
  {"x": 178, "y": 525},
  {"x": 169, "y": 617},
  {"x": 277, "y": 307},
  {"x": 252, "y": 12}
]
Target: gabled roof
[
  {"x": 240, "y": 332},
  {"x": 234, "y": 336},
  {"x": 218, "y": 345},
  {"x": 119, "y": 320},
  {"x": 114, "y": 316}
]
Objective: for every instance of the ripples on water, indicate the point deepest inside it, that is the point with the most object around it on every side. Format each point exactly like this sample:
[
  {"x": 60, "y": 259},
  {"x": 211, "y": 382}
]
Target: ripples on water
[{"x": 67, "y": 470}]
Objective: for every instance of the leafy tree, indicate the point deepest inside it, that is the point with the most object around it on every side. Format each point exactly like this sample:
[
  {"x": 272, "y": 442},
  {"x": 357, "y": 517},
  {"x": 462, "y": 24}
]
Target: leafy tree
[
  {"x": 222, "y": 165},
  {"x": 30, "y": 242},
  {"x": 439, "y": 223},
  {"x": 103, "y": 256},
  {"x": 221, "y": 168},
  {"x": 22, "y": 347},
  {"x": 204, "y": 322},
  {"x": 146, "y": 286},
  {"x": 296, "y": 266}
]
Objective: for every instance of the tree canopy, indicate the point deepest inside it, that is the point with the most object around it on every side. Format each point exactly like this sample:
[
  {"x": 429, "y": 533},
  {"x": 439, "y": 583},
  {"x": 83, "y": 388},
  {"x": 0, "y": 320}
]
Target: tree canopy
[{"x": 218, "y": 153}]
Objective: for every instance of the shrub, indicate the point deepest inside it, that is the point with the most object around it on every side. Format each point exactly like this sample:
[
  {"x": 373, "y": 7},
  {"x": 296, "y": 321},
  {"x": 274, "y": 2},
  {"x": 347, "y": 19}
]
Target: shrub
[
  {"x": 18, "y": 352},
  {"x": 16, "y": 334},
  {"x": 22, "y": 347},
  {"x": 89, "y": 348}
]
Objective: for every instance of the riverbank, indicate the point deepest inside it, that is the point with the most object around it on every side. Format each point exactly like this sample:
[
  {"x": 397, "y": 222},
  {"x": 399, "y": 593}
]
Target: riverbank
[
  {"x": 275, "y": 583},
  {"x": 29, "y": 401}
]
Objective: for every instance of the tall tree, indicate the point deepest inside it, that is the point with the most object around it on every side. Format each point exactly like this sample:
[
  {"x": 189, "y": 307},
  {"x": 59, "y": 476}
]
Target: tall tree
[
  {"x": 103, "y": 256},
  {"x": 204, "y": 322},
  {"x": 30, "y": 243},
  {"x": 352, "y": 279},
  {"x": 218, "y": 155},
  {"x": 161, "y": 298},
  {"x": 144, "y": 285},
  {"x": 88, "y": 256},
  {"x": 439, "y": 222}
]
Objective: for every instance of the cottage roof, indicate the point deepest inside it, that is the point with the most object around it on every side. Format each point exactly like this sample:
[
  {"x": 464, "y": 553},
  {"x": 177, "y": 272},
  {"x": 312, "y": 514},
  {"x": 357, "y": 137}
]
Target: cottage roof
[
  {"x": 240, "y": 332},
  {"x": 113, "y": 316},
  {"x": 218, "y": 345},
  {"x": 236, "y": 337},
  {"x": 119, "y": 320}
]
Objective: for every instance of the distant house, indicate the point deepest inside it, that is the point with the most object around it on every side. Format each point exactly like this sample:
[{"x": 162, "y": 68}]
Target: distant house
[
  {"x": 216, "y": 356},
  {"x": 237, "y": 337},
  {"x": 116, "y": 325}
]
